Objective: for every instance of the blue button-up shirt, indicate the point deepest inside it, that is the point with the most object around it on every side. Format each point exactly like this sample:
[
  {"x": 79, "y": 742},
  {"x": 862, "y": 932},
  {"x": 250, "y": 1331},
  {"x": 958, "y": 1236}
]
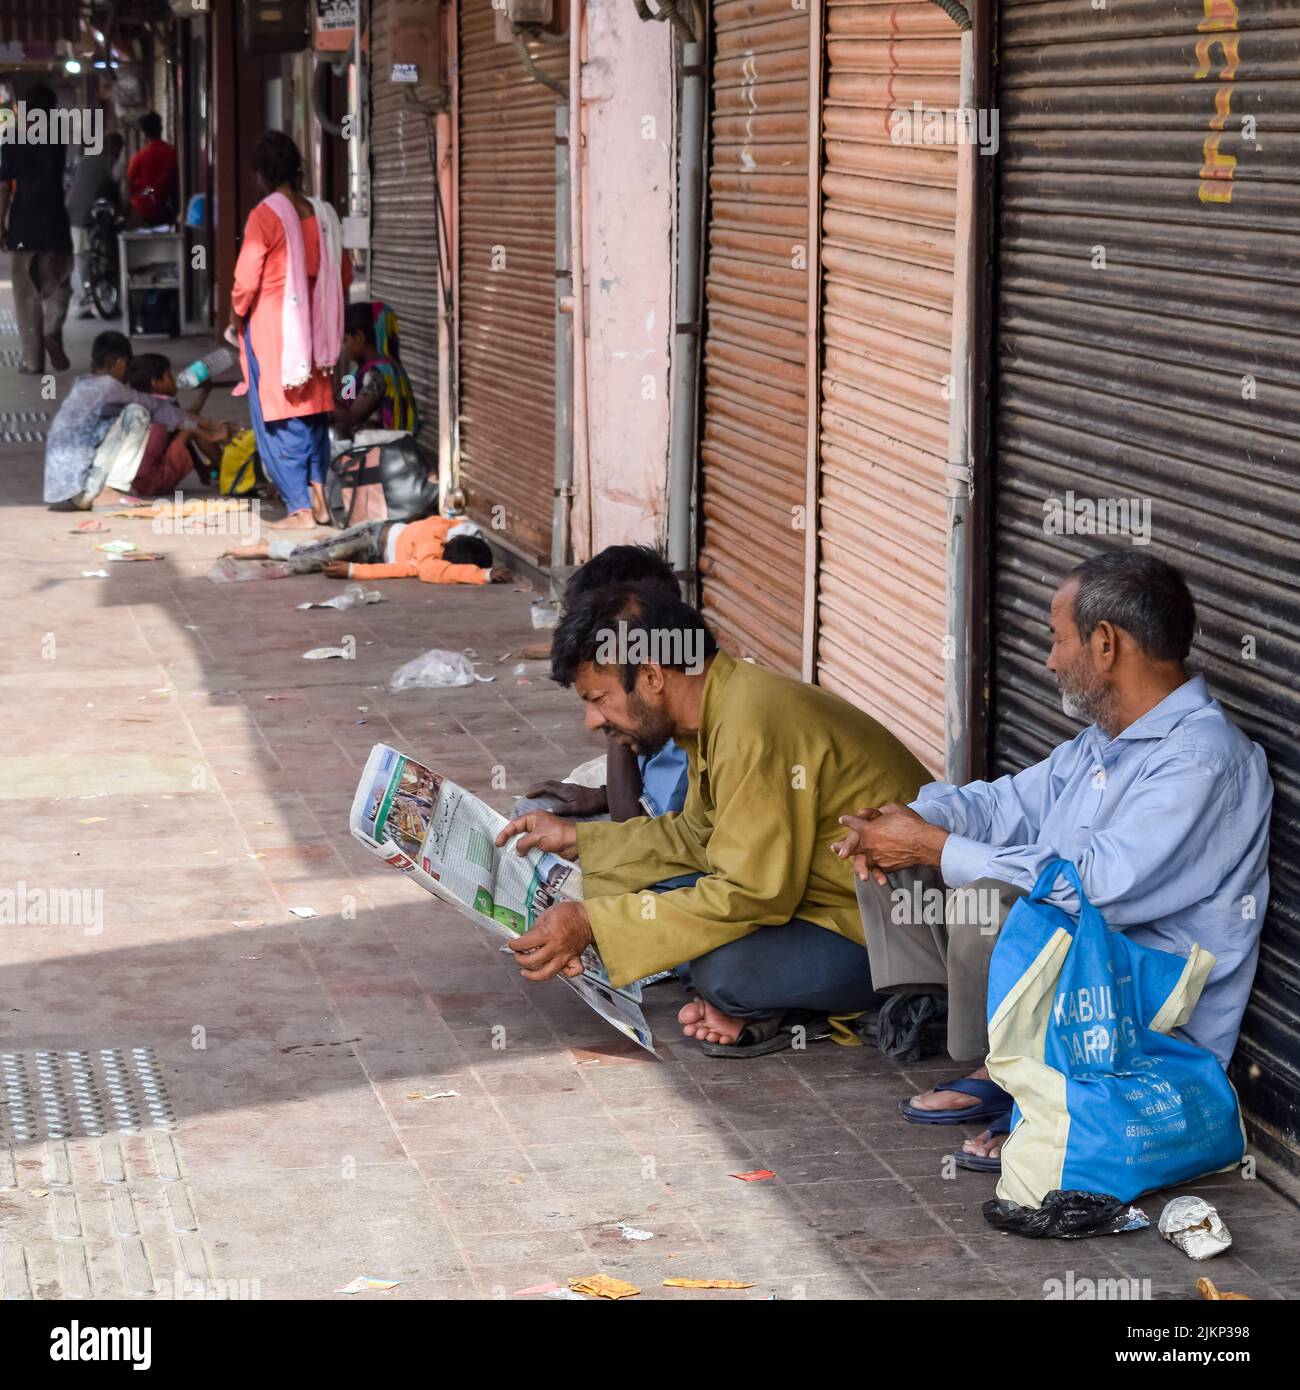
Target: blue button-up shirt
[
  {"x": 664, "y": 779},
  {"x": 1167, "y": 823}
]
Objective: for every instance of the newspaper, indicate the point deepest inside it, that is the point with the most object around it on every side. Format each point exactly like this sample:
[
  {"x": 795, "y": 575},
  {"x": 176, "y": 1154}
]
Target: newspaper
[{"x": 444, "y": 839}]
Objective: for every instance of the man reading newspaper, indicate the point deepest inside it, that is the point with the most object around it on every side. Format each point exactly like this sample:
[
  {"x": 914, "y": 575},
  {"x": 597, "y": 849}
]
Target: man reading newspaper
[{"x": 740, "y": 891}]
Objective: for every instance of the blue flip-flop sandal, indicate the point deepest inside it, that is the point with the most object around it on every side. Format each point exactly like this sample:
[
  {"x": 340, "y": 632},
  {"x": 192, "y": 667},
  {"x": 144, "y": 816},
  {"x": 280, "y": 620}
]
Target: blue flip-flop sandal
[
  {"x": 993, "y": 1102},
  {"x": 977, "y": 1163}
]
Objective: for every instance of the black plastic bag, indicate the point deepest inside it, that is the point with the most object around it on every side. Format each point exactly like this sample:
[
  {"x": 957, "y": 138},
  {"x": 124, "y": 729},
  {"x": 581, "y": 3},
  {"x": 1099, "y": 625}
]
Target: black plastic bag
[
  {"x": 908, "y": 1027},
  {"x": 1066, "y": 1216}
]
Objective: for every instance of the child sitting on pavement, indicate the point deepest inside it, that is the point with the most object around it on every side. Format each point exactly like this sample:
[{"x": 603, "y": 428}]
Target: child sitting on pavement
[
  {"x": 167, "y": 453},
  {"x": 436, "y": 549},
  {"x": 102, "y": 426}
]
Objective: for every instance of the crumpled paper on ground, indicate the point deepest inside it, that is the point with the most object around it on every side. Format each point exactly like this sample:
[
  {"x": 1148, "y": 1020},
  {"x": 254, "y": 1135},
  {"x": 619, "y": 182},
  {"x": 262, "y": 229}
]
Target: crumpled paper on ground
[{"x": 1194, "y": 1226}]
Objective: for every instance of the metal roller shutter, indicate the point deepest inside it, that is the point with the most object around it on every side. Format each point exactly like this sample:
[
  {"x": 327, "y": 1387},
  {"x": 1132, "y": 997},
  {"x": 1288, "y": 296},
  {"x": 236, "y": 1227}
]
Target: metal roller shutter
[
  {"x": 507, "y": 281},
  {"x": 888, "y": 216},
  {"x": 1173, "y": 373},
  {"x": 404, "y": 270},
  {"x": 753, "y": 451}
]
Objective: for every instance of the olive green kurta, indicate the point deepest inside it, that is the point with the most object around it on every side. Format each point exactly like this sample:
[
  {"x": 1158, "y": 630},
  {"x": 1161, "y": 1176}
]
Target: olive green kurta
[{"x": 775, "y": 764}]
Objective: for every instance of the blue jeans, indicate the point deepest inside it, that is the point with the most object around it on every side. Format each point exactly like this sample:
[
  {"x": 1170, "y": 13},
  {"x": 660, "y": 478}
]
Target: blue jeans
[{"x": 798, "y": 968}]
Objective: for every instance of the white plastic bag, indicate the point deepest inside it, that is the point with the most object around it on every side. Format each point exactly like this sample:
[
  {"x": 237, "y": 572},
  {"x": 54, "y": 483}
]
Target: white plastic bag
[
  {"x": 354, "y": 596},
  {"x": 434, "y": 669}
]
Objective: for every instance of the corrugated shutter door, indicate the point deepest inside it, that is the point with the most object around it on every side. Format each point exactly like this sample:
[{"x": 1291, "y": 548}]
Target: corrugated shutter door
[
  {"x": 888, "y": 215},
  {"x": 404, "y": 210},
  {"x": 753, "y": 451},
  {"x": 1172, "y": 374},
  {"x": 507, "y": 282}
]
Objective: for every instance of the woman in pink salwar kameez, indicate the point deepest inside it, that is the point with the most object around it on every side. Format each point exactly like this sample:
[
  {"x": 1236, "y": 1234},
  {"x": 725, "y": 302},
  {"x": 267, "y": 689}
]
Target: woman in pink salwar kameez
[{"x": 291, "y": 283}]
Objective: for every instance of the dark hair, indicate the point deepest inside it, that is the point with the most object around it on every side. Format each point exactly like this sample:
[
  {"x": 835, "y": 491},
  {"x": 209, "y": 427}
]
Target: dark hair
[
  {"x": 621, "y": 564},
  {"x": 468, "y": 550},
  {"x": 646, "y": 615},
  {"x": 1140, "y": 593},
  {"x": 150, "y": 125},
  {"x": 360, "y": 318},
  {"x": 276, "y": 158},
  {"x": 40, "y": 96},
  {"x": 145, "y": 369},
  {"x": 109, "y": 346}
]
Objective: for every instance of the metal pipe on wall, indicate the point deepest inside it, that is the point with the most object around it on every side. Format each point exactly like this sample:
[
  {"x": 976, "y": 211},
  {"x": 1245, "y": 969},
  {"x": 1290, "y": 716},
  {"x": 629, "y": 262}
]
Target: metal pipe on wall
[
  {"x": 959, "y": 474},
  {"x": 581, "y": 513},
  {"x": 561, "y": 545},
  {"x": 686, "y": 337}
]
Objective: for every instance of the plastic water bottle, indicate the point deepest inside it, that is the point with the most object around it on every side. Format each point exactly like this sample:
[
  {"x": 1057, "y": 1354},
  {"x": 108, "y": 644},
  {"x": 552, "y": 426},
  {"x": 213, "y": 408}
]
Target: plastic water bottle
[{"x": 206, "y": 367}]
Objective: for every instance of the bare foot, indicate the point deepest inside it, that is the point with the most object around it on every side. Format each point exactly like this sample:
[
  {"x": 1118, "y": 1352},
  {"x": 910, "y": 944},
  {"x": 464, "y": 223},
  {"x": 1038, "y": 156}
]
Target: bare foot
[
  {"x": 986, "y": 1146},
  {"x": 951, "y": 1100},
  {"x": 319, "y": 511},
  {"x": 700, "y": 1020},
  {"x": 295, "y": 521},
  {"x": 249, "y": 552},
  {"x": 110, "y": 497}
]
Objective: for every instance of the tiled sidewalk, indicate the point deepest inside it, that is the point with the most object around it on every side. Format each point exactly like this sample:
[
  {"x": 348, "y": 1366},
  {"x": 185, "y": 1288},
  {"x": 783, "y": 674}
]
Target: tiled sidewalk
[{"x": 175, "y": 753}]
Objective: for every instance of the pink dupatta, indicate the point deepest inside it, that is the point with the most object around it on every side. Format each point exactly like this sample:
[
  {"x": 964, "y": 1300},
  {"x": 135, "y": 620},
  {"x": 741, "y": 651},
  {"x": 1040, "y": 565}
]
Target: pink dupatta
[{"x": 312, "y": 331}]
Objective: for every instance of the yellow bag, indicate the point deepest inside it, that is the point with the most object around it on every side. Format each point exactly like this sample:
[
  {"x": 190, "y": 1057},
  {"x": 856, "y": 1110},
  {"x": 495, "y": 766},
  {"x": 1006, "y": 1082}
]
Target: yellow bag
[{"x": 241, "y": 470}]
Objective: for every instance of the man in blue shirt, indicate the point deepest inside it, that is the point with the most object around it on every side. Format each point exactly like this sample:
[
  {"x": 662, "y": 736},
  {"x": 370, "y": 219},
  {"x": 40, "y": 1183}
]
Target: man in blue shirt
[{"x": 1161, "y": 802}]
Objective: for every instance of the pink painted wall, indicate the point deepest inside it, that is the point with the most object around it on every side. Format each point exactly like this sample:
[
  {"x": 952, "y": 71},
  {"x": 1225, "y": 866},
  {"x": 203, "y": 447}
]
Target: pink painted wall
[{"x": 629, "y": 194}]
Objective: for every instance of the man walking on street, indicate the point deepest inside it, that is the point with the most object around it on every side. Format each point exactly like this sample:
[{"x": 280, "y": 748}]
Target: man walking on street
[{"x": 34, "y": 229}]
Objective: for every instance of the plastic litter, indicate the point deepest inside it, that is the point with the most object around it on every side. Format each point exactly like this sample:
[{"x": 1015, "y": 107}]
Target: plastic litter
[
  {"x": 228, "y": 570},
  {"x": 364, "y": 1282},
  {"x": 1194, "y": 1226},
  {"x": 1067, "y": 1216},
  {"x": 433, "y": 670},
  {"x": 632, "y": 1233},
  {"x": 325, "y": 653},
  {"x": 94, "y": 574},
  {"x": 604, "y": 1286},
  {"x": 354, "y": 596},
  {"x": 304, "y": 912},
  {"x": 1208, "y": 1289},
  {"x": 430, "y": 1095},
  {"x": 909, "y": 1027},
  {"x": 755, "y": 1175},
  {"x": 546, "y": 615},
  {"x": 705, "y": 1284}
]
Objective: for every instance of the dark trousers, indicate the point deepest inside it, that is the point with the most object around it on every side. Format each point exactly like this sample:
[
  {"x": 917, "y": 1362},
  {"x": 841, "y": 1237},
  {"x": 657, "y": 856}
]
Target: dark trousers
[{"x": 797, "y": 968}]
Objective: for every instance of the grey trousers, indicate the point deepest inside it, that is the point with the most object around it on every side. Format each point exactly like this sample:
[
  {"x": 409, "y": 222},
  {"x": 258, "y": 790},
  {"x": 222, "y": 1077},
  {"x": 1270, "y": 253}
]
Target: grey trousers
[
  {"x": 924, "y": 938},
  {"x": 42, "y": 289}
]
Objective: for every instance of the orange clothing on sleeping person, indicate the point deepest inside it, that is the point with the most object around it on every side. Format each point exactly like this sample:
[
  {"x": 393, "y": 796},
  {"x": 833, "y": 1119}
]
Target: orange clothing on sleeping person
[
  {"x": 258, "y": 295},
  {"x": 418, "y": 555}
]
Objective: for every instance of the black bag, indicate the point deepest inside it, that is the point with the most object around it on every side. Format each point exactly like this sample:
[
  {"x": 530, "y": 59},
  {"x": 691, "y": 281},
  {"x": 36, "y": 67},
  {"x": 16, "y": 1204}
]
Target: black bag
[{"x": 381, "y": 482}]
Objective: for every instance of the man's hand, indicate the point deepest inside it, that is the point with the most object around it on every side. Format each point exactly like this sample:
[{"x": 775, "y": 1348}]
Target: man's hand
[
  {"x": 555, "y": 943},
  {"x": 575, "y": 800},
  {"x": 337, "y": 569},
  {"x": 215, "y": 431},
  {"x": 544, "y": 831},
  {"x": 893, "y": 837},
  {"x": 500, "y": 575}
]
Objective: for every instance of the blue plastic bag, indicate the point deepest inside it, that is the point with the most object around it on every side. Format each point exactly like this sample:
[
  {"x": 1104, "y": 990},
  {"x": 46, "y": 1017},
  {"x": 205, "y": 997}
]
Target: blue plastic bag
[{"x": 1081, "y": 1024}]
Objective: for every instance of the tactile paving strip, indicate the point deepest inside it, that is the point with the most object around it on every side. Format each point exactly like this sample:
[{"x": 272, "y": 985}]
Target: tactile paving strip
[
  {"x": 23, "y": 426},
  {"x": 62, "y": 1095},
  {"x": 8, "y": 324}
]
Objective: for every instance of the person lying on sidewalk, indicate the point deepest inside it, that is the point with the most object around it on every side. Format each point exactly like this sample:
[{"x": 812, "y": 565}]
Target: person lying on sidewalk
[
  {"x": 102, "y": 427},
  {"x": 438, "y": 550},
  {"x": 1161, "y": 802},
  {"x": 636, "y": 784},
  {"x": 740, "y": 890},
  {"x": 168, "y": 456}
]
